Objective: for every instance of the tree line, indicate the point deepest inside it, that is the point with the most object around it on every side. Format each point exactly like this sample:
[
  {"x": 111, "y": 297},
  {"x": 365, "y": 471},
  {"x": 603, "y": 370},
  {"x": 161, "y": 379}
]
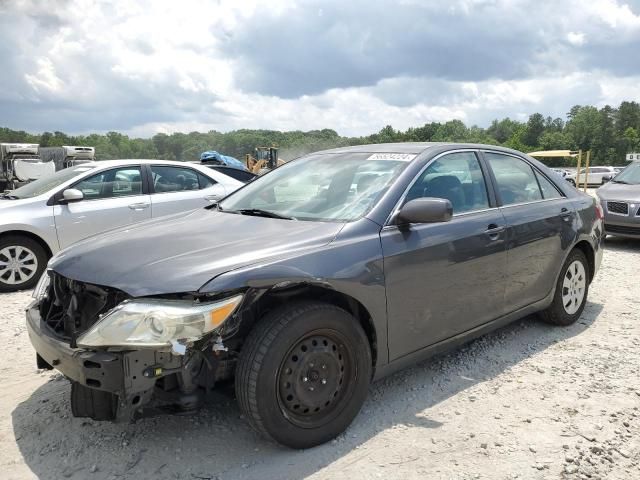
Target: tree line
[{"x": 610, "y": 133}]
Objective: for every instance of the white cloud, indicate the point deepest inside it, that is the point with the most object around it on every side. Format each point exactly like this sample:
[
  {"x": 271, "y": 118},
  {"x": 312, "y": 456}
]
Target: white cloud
[
  {"x": 576, "y": 38},
  {"x": 150, "y": 66}
]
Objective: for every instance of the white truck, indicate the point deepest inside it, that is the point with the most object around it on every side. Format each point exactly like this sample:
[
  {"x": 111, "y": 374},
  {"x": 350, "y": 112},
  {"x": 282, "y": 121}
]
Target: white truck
[
  {"x": 20, "y": 163},
  {"x": 67, "y": 156}
]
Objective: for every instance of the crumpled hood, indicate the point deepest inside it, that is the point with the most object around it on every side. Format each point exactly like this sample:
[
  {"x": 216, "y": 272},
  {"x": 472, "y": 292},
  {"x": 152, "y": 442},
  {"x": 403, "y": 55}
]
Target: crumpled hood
[
  {"x": 619, "y": 191},
  {"x": 182, "y": 253}
]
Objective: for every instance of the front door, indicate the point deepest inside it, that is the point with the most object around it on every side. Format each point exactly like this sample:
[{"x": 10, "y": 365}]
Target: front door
[
  {"x": 112, "y": 198},
  {"x": 446, "y": 278}
]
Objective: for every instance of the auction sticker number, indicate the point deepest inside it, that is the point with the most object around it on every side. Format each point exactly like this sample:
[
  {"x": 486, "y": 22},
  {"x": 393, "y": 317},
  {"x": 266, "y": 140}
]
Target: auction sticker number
[{"x": 403, "y": 157}]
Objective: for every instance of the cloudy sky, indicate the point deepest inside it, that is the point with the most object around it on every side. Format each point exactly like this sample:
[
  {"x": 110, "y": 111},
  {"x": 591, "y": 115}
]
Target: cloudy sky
[{"x": 141, "y": 67}]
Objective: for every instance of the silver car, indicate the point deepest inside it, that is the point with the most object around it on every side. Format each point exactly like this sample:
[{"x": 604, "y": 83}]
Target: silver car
[
  {"x": 621, "y": 201},
  {"x": 597, "y": 176},
  {"x": 51, "y": 213}
]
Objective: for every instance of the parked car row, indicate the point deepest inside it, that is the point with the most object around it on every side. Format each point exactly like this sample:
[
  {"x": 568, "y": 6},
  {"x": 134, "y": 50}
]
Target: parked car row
[{"x": 303, "y": 286}]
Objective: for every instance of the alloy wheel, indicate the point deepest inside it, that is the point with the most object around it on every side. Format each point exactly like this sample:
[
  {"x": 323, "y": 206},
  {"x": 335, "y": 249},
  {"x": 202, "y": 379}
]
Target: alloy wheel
[
  {"x": 17, "y": 265},
  {"x": 573, "y": 287}
]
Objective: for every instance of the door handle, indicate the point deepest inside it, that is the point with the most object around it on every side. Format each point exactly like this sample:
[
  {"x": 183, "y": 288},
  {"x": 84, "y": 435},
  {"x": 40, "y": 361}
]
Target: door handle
[
  {"x": 565, "y": 213},
  {"x": 494, "y": 231},
  {"x": 138, "y": 206}
]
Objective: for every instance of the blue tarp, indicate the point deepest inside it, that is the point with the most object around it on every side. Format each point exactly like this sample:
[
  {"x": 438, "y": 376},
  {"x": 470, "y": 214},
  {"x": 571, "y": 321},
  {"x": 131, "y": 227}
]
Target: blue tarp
[{"x": 212, "y": 155}]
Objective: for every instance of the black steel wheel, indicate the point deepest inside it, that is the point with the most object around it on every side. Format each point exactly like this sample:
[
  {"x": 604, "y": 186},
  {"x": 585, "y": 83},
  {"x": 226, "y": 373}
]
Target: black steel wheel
[
  {"x": 312, "y": 377},
  {"x": 303, "y": 374}
]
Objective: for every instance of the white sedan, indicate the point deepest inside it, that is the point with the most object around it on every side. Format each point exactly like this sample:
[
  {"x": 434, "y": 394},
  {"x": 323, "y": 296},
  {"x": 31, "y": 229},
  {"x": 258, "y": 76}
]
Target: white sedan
[{"x": 51, "y": 213}]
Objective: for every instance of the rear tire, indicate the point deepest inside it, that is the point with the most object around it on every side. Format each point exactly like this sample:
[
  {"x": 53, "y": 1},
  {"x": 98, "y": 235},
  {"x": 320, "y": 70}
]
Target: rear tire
[
  {"x": 571, "y": 292},
  {"x": 22, "y": 262},
  {"x": 303, "y": 374}
]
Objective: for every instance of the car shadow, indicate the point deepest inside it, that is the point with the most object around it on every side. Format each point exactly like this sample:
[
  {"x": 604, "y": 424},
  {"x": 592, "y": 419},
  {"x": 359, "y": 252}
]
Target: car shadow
[
  {"x": 622, "y": 244},
  {"x": 218, "y": 443}
]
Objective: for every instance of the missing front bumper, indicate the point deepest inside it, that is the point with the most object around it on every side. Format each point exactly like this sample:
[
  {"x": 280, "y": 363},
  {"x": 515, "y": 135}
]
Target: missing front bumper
[{"x": 113, "y": 385}]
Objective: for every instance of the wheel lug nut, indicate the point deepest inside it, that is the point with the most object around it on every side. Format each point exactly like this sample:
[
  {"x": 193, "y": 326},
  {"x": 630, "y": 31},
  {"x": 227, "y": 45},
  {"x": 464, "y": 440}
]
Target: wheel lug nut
[
  {"x": 311, "y": 389},
  {"x": 324, "y": 381},
  {"x": 324, "y": 367},
  {"x": 305, "y": 379}
]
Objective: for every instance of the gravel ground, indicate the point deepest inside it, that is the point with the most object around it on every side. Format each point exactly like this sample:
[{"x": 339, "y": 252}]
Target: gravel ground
[{"x": 528, "y": 401}]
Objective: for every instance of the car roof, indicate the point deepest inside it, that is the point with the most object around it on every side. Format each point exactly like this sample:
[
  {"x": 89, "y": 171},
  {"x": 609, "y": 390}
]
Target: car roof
[
  {"x": 415, "y": 147},
  {"x": 127, "y": 161}
]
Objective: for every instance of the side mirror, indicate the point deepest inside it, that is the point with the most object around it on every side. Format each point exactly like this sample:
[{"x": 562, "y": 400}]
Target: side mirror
[
  {"x": 607, "y": 178},
  {"x": 425, "y": 210},
  {"x": 71, "y": 195}
]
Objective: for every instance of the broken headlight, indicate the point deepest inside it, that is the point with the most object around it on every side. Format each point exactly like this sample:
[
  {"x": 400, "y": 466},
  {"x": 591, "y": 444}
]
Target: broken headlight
[
  {"x": 157, "y": 323},
  {"x": 42, "y": 288}
]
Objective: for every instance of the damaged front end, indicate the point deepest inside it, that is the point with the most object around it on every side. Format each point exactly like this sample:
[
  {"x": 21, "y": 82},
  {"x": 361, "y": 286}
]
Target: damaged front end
[{"x": 131, "y": 357}]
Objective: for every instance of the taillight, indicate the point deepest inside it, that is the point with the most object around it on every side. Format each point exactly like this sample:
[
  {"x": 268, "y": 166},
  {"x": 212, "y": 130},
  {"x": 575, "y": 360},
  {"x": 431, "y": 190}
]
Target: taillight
[{"x": 599, "y": 212}]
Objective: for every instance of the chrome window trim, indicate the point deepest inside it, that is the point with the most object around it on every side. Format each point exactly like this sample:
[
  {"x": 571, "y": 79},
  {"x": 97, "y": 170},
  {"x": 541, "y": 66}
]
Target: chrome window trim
[
  {"x": 533, "y": 202},
  {"x": 400, "y": 202}
]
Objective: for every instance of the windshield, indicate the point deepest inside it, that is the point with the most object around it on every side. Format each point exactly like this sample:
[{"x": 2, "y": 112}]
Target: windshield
[
  {"x": 630, "y": 175},
  {"x": 322, "y": 187},
  {"x": 43, "y": 185}
]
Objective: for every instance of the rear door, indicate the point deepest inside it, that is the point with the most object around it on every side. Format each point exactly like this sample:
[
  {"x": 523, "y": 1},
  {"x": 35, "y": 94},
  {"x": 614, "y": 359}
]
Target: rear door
[
  {"x": 445, "y": 278},
  {"x": 539, "y": 228},
  {"x": 112, "y": 198},
  {"x": 178, "y": 189}
]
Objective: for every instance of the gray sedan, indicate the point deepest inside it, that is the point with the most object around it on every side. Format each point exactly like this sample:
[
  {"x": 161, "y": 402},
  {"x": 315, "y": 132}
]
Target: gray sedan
[
  {"x": 621, "y": 201},
  {"x": 51, "y": 213},
  {"x": 332, "y": 270}
]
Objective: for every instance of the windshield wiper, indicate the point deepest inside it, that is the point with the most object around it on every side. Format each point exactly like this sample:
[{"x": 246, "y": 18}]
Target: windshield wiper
[
  {"x": 260, "y": 213},
  {"x": 8, "y": 196},
  {"x": 620, "y": 181}
]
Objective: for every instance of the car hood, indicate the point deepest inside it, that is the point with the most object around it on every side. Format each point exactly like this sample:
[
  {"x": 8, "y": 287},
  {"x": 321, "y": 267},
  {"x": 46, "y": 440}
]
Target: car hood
[
  {"x": 619, "y": 191},
  {"x": 182, "y": 253},
  {"x": 7, "y": 204}
]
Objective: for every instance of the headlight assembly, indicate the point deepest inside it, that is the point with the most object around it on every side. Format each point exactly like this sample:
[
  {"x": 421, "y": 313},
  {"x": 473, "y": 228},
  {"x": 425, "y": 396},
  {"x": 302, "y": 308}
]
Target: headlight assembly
[
  {"x": 158, "y": 323},
  {"x": 42, "y": 288}
]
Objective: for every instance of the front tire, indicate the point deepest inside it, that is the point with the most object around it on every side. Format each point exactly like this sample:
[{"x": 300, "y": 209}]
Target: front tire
[
  {"x": 22, "y": 261},
  {"x": 303, "y": 374},
  {"x": 571, "y": 291}
]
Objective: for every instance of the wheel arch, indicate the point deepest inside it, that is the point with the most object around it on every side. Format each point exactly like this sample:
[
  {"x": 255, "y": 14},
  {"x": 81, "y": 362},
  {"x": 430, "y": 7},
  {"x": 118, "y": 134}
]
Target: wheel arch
[
  {"x": 30, "y": 235},
  {"x": 276, "y": 298},
  {"x": 589, "y": 252}
]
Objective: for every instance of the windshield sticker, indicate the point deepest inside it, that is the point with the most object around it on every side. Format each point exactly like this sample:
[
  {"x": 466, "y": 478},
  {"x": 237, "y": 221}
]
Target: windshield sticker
[{"x": 402, "y": 157}]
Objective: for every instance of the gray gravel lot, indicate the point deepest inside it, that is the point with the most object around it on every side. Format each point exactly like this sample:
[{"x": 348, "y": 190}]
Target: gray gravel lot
[{"x": 528, "y": 401}]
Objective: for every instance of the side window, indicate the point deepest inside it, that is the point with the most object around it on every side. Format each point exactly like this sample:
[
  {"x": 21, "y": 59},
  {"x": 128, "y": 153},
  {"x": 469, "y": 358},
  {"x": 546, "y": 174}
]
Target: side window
[
  {"x": 205, "y": 182},
  {"x": 456, "y": 177},
  {"x": 515, "y": 178},
  {"x": 117, "y": 182},
  {"x": 174, "y": 179},
  {"x": 548, "y": 189}
]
